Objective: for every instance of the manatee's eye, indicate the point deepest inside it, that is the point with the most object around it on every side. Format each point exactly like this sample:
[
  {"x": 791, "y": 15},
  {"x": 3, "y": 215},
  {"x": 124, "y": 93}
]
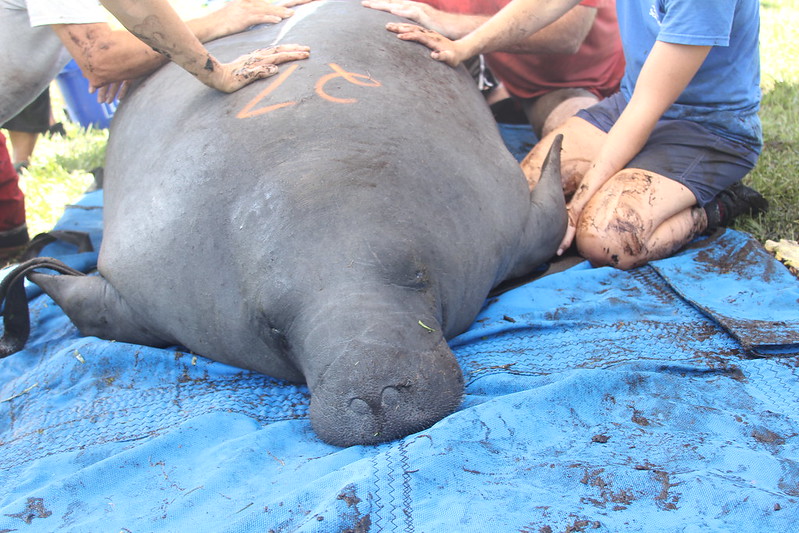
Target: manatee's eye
[
  {"x": 416, "y": 277},
  {"x": 405, "y": 269}
]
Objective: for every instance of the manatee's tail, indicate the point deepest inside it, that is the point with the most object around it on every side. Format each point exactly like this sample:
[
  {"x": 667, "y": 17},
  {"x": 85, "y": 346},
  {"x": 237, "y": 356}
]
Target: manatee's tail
[
  {"x": 97, "y": 309},
  {"x": 93, "y": 305},
  {"x": 16, "y": 320}
]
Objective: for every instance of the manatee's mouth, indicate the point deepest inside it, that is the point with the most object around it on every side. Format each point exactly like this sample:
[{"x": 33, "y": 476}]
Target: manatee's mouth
[{"x": 358, "y": 408}]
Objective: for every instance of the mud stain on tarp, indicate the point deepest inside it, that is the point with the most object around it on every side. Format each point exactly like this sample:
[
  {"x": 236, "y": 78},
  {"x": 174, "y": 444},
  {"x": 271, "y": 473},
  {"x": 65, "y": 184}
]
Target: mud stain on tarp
[
  {"x": 34, "y": 509},
  {"x": 638, "y": 418},
  {"x": 362, "y": 526},
  {"x": 740, "y": 260},
  {"x": 789, "y": 477},
  {"x": 348, "y": 496},
  {"x": 360, "y": 523},
  {"x": 766, "y": 436},
  {"x": 577, "y": 524},
  {"x": 728, "y": 259},
  {"x": 621, "y": 498},
  {"x": 665, "y": 499}
]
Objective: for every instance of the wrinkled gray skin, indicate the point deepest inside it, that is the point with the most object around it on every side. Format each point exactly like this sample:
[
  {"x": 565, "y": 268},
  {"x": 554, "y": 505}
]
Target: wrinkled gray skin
[{"x": 333, "y": 243}]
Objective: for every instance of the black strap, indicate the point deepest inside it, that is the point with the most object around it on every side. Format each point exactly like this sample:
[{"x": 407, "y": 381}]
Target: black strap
[
  {"x": 78, "y": 238},
  {"x": 15, "y": 302}
]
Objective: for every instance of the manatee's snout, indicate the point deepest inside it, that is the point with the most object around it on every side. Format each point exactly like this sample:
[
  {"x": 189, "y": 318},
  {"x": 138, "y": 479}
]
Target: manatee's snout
[{"x": 367, "y": 397}]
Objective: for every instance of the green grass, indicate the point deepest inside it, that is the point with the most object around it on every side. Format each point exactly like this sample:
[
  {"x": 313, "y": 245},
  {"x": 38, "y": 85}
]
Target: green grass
[
  {"x": 775, "y": 174},
  {"x": 59, "y": 171}
]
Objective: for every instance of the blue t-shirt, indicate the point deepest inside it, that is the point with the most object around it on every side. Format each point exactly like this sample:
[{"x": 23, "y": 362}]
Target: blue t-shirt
[{"x": 724, "y": 96}]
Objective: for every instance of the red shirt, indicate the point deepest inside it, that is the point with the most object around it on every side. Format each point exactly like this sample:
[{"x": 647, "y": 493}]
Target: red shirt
[{"x": 597, "y": 66}]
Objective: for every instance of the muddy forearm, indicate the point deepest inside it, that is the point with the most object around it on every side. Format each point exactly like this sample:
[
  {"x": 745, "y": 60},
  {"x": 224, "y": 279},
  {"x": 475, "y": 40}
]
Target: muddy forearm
[
  {"x": 105, "y": 55},
  {"x": 158, "y": 25}
]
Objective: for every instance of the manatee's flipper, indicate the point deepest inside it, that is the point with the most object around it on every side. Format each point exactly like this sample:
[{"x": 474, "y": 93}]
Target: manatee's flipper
[
  {"x": 548, "y": 219},
  {"x": 549, "y": 204},
  {"x": 16, "y": 320},
  {"x": 97, "y": 309}
]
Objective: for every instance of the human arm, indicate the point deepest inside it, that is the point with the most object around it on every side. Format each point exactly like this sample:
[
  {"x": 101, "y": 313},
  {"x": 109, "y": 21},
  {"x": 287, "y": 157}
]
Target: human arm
[
  {"x": 513, "y": 23},
  {"x": 666, "y": 73},
  {"x": 106, "y": 55},
  {"x": 450, "y": 25},
  {"x": 563, "y": 36}
]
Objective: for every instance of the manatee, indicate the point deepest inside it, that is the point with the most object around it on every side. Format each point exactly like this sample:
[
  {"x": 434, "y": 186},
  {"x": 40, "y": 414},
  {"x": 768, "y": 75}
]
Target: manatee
[{"x": 332, "y": 225}]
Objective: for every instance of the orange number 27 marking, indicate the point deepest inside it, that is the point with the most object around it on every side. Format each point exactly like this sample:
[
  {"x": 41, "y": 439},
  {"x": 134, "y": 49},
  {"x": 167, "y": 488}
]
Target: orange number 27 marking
[
  {"x": 351, "y": 77},
  {"x": 251, "y": 109}
]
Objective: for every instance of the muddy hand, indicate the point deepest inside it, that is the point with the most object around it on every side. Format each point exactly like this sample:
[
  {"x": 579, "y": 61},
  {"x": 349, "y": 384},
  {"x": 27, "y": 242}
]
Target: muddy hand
[
  {"x": 443, "y": 49},
  {"x": 110, "y": 92},
  {"x": 256, "y": 65},
  {"x": 571, "y": 230}
]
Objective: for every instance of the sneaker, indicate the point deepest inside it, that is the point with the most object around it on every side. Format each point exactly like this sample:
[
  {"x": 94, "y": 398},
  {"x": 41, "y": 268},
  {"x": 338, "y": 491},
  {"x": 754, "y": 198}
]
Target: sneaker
[
  {"x": 735, "y": 200},
  {"x": 13, "y": 241},
  {"x": 56, "y": 129}
]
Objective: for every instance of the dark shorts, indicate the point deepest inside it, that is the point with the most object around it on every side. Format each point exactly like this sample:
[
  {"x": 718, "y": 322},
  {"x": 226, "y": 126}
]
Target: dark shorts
[
  {"x": 681, "y": 150},
  {"x": 35, "y": 118}
]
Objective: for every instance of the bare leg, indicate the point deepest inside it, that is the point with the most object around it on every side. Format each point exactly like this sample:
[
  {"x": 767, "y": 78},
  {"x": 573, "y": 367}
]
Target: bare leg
[
  {"x": 23, "y": 144},
  {"x": 497, "y": 94},
  {"x": 581, "y": 143},
  {"x": 552, "y": 109},
  {"x": 565, "y": 110},
  {"x": 636, "y": 217}
]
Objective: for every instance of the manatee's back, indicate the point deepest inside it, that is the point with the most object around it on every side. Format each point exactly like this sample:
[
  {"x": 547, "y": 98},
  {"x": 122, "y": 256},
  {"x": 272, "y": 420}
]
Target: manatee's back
[{"x": 232, "y": 204}]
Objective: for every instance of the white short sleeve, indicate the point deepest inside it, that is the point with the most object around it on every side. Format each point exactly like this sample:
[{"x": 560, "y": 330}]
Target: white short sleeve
[{"x": 46, "y": 12}]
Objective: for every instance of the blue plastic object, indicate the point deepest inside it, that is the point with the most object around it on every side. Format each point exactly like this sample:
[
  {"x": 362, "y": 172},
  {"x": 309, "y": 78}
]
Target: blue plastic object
[
  {"x": 519, "y": 138},
  {"x": 82, "y": 106}
]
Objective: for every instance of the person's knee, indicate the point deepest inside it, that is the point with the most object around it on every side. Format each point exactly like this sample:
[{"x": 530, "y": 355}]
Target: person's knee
[
  {"x": 565, "y": 110},
  {"x": 575, "y": 156},
  {"x": 617, "y": 244}
]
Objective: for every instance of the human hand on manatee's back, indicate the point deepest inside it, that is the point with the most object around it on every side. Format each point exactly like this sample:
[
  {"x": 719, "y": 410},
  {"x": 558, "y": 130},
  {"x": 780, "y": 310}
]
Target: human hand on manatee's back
[
  {"x": 443, "y": 49},
  {"x": 157, "y": 24},
  {"x": 232, "y": 76},
  {"x": 106, "y": 94},
  {"x": 418, "y": 12},
  {"x": 238, "y": 15},
  {"x": 258, "y": 64}
]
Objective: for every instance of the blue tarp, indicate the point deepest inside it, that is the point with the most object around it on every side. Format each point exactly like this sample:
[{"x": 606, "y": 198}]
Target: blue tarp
[{"x": 661, "y": 399}]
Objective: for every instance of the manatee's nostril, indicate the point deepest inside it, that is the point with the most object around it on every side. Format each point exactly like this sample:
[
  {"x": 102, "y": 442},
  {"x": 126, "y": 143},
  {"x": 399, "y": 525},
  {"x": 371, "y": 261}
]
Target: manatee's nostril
[
  {"x": 360, "y": 407},
  {"x": 390, "y": 399}
]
